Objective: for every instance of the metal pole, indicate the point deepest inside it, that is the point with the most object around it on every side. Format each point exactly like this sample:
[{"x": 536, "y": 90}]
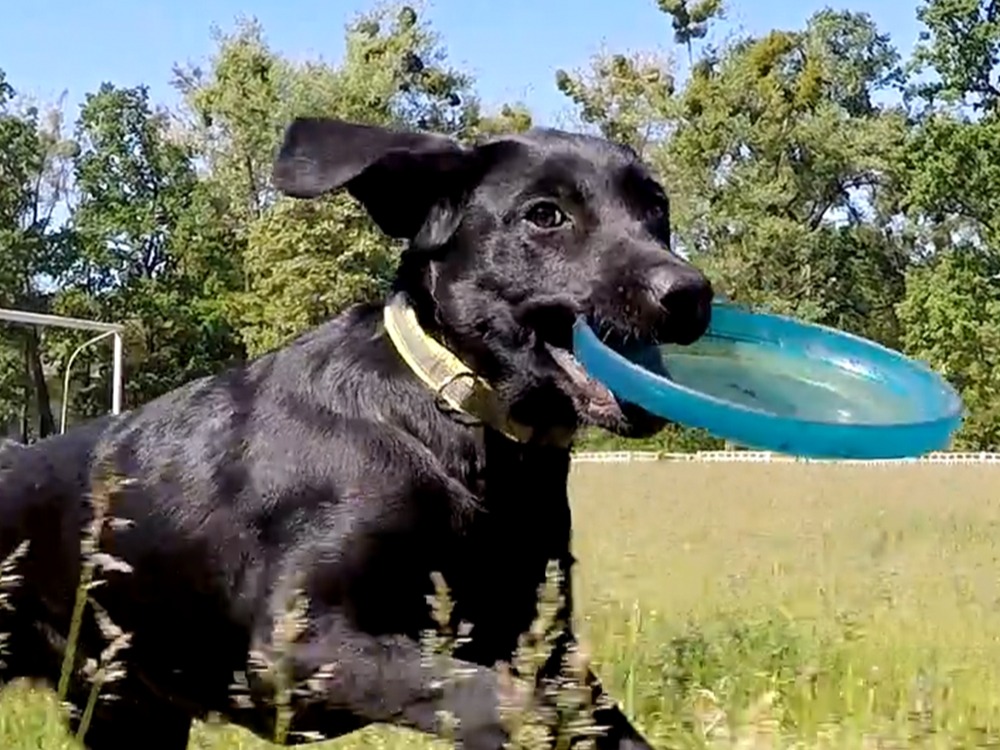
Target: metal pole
[
  {"x": 69, "y": 371},
  {"x": 39, "y": 319},
  {"x": 116, "y": 374},
  {"x": 59, "y": 321}
]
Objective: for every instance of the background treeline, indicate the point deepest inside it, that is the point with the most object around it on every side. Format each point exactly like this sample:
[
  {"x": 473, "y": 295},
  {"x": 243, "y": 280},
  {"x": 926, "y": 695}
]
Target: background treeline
[{"x": 813, "y": 171}]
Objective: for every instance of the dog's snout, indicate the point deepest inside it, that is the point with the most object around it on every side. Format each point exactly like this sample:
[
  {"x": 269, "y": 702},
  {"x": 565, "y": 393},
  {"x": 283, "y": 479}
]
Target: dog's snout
[{"x": 684, "y": 295}]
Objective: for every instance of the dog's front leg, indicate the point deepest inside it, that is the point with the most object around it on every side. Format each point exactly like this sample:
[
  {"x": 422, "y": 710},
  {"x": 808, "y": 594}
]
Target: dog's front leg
[
  {"x": 619, "y": 733},
  {"x": 384, "y": 679}
]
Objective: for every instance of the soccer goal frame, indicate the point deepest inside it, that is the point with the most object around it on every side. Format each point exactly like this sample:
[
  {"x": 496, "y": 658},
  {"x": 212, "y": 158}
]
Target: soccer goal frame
[{"x": 104, "y": 330}]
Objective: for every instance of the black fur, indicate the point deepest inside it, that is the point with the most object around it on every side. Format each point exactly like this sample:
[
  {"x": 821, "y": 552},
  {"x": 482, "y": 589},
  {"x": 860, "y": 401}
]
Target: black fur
[{"x": 330, "y": 461}]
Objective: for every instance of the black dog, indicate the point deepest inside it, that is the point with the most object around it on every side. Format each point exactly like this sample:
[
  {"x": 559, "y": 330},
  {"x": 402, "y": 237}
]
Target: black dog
[{"x": 428, "y": 434}]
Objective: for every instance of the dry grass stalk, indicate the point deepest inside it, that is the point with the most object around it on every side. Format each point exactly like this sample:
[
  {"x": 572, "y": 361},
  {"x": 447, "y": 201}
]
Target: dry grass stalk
[
  {"x": 9, "y": 580},
  {"x": 107, "y": 668},
  {"x": 277, "y": 671}
]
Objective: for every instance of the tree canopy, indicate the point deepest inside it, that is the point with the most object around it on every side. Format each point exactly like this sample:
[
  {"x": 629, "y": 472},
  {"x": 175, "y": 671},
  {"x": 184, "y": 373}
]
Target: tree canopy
[{"x": 812, "y": 171}]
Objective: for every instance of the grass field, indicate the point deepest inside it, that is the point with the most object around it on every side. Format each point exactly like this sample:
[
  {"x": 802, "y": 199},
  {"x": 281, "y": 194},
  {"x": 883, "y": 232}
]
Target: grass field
[{"x": 762, "y": 606}]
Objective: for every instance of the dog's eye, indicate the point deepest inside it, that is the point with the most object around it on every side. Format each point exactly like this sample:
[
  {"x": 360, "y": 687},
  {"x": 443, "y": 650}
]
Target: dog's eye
[{"x": 546, "y": 215}]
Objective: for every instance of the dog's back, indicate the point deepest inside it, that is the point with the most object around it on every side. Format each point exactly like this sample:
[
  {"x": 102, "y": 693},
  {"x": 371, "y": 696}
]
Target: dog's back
[{"x": 209, "y": 491}]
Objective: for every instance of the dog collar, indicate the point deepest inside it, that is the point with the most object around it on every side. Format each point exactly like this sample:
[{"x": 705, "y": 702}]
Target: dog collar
[{"x": 451, "y": 380}]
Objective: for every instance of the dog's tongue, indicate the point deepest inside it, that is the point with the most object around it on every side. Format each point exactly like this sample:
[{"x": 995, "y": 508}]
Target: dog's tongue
[{"x": 599, "y": 401}]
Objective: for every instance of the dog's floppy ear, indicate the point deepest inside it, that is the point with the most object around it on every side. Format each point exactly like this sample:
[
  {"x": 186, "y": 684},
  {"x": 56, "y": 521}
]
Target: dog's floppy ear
[{"x": 409, "y": 182}]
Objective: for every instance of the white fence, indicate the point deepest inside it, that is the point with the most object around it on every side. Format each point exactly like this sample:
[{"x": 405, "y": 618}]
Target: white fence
[{"x": 765, "y": 457}]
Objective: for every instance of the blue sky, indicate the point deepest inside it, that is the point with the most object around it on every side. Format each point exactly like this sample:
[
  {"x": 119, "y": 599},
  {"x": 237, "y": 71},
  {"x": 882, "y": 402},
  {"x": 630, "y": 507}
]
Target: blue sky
[{"x": 513, "y": 47}]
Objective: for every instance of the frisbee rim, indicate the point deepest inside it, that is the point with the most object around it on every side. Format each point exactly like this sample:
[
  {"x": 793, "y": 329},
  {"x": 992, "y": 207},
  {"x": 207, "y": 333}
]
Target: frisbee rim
[{"x": 944, "y": 418}]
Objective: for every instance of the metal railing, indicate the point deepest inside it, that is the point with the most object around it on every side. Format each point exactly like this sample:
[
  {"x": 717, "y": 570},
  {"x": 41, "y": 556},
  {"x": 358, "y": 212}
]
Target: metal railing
[
  {"x": 105, "y": 329},
  {"x": 766, "y": 457}
]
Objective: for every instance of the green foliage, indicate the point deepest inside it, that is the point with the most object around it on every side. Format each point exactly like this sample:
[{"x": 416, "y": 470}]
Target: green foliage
[
  {"x": 961, "y": 47},
  {"x": 306, "y": 262},
  {"x": 762, "y": 147},
  {"x": 801, "y": 195},
  {"x": 140, "y": 203},
  {"x": 33, "y": 181},
  {"x": 950, "y": 316},
  {"x": 672, "y": 439},
  {"x": 951, "y": 308},
  {"x": 775, "y": 167},
  {"x": 691, "y": 22},
  {"x": 953, "y": 170}
]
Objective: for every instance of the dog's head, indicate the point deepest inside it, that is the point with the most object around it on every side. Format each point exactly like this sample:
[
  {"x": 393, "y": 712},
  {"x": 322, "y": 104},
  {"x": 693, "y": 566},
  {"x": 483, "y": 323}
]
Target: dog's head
[{"x": 508, "y": 242}]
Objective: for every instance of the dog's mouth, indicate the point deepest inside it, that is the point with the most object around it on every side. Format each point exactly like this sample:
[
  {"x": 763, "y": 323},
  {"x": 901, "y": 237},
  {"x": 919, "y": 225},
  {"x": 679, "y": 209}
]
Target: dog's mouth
[
  {"x": 593, "y": 402},
  {"x": 592, "y": 399}
]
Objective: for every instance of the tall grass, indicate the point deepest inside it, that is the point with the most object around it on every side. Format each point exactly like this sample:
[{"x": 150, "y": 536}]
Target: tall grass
[
  {"x": 782, "y": 606},
  {"x": 560, "y": 715}
]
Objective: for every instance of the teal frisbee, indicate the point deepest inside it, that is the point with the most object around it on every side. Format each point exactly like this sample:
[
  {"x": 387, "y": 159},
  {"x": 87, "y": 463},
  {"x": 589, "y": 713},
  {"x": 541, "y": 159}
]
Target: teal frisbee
[{"x": 770, "y": 382}]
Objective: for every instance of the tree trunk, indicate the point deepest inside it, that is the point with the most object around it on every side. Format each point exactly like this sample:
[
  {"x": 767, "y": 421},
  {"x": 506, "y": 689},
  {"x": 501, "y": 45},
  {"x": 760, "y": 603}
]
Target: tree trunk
[
  {"x": 26, "y": 396},
  {"x": 46, "y": 422}
]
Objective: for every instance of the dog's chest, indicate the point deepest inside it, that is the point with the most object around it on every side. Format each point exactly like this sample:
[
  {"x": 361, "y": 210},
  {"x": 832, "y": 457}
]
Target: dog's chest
[
  {"x": 492, "y": 566},
  {"x": 525, "y": 527},
  {"x": 492, "y": 550},
  {"x": 499, "y": 594}
]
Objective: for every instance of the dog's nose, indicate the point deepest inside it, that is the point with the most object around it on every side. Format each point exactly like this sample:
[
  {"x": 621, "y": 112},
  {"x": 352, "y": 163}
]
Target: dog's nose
[{"x": 684, "y": 295}]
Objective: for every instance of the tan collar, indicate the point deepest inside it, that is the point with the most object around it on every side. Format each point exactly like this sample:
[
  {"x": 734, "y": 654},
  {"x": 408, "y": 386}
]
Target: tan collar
[{"x": 450, "y": 379}]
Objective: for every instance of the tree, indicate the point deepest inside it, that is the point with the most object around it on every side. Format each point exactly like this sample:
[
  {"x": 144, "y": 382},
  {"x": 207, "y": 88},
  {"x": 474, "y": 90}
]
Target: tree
[
  {"x": 303, "y": 263},
  {"x": 33, "y": 183},
  {"x": 628, "y": 98},
  {"x": 782, "y": 172},
  {"x": 950, "y": 311},
  {"x": 780, "y": 168},
  {"x": 691, "y": 22},
  {"x": 961, "y": 47},
  {"x": 951, "y": 199},
  {"x": 788, "y": 172},
  {"x": 511, "y": 118},
  {"x": 152, "y": 253}
]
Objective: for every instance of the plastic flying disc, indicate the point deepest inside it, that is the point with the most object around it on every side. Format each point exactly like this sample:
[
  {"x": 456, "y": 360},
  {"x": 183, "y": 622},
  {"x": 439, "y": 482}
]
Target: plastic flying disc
[{"x": 773, "y": 383}]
